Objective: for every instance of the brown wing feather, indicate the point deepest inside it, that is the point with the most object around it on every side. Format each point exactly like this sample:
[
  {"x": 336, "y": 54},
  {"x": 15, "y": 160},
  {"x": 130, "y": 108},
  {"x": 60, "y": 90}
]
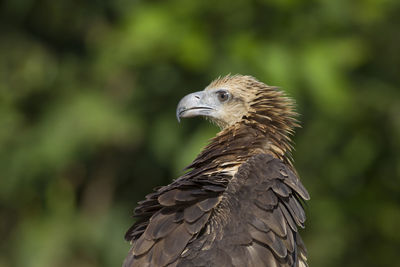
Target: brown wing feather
[
  {"x": 250, "y": 221},
  {"x": 256, "y": 221},
  {"x": 171, "y": 217}
]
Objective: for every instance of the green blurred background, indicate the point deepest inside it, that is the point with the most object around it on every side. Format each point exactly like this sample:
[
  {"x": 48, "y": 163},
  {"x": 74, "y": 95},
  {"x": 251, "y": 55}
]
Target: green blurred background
[{"x": 88, "y": 91}]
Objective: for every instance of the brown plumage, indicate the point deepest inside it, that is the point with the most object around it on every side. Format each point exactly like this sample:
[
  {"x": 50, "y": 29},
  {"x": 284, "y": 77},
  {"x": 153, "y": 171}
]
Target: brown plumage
[{"x": 240, "y": 202}]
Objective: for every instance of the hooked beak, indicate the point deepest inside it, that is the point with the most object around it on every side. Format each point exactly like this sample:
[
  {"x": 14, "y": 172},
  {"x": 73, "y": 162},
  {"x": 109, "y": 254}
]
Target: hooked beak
[{"x": 192, "y": 105}]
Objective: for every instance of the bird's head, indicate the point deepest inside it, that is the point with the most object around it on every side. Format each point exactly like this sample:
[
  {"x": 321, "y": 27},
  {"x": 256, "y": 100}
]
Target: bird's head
[{"x": 231, "y": 99}]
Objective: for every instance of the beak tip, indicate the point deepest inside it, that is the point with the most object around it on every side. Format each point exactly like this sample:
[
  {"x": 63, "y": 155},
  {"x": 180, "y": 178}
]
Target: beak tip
[{"x": 178, "y": 114}]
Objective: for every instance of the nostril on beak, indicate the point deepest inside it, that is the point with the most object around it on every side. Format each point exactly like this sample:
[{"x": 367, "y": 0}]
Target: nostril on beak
[{"x": 197, "y": 96}]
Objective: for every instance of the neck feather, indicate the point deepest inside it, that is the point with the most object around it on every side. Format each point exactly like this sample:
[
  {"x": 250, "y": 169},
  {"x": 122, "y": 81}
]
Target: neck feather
[{"x": 266, "y": 128}]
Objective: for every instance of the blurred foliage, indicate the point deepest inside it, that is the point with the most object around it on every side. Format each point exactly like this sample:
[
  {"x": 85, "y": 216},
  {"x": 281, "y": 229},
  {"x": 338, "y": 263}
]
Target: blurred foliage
[{"x": 87, "y": 116}]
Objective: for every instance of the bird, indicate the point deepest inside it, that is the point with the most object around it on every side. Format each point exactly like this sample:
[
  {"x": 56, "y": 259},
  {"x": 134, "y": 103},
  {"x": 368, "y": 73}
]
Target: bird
[{"x": 240, "y": 202}]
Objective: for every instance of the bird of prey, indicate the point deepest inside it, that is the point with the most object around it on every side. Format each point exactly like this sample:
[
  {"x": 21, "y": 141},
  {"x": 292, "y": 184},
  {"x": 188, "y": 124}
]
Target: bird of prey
[{"x": 240, "y": 203}]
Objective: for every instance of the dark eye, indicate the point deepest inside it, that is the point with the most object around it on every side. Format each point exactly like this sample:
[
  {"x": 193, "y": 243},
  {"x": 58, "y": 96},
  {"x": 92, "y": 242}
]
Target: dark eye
[{"x": 223, "y": 95}]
